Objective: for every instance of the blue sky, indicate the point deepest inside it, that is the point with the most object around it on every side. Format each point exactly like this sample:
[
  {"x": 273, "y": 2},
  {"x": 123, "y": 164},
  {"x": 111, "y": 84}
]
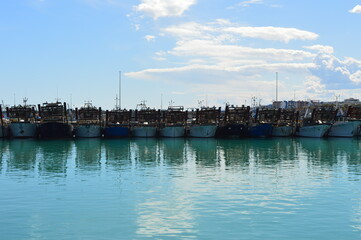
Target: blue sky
[{"x": 186, "y": 52}]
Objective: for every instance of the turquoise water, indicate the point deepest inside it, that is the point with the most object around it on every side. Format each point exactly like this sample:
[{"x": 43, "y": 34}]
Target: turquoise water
[{"x": 180, "y": 189}]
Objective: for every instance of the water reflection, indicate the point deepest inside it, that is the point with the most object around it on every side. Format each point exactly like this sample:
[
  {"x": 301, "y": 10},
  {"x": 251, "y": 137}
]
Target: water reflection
[
  {"x": 234, "y": 152},
  {"x": 185, "y": 188},
  {"x": 203, "y": 151},
  {"x": 22, "y": 154},
  {"x": 146, "y": 151},
  {"x": 329, "y": 152},
  {"x": 53, "y": 157},
  {"x": 117, "y": 152},
  {"x": 173, "y": 151},
  {"x": 88, "y": 154},
  {"x": 3, "y": 151}
]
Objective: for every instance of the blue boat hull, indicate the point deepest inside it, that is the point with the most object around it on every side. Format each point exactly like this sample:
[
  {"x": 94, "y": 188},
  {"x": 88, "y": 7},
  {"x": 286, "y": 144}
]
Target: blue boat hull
[
  {"x": 55, "y": 130},
  {"x": 261, "y": 130},
  {"x": 116, "y": 132},
  {"x": 234, "y": 130}
]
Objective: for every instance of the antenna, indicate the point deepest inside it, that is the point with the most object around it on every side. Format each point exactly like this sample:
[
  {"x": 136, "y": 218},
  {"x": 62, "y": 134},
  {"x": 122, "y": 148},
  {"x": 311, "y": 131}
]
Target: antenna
[
  {"x": 120, "y": 84},
  {"x": 276, "y": 86},
  {"x": 161, "y": 101},
  {"x": 71, "y": 101},
  {"x": 294, "y": 95},
  {"x": 25, "y": 101},
  {"x": 116, "y": 102}
]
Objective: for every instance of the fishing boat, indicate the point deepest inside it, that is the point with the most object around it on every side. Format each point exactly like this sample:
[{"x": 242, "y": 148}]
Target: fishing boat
[
  {"x": 262, "y": 123},
  {"x": 54, "y": 121},
  {"x": 23, "y": 122},
  {"x": 173, "y": 122},
  {"x": 234, "y": 123},
  {"x": 346, "y": 125},
  {"x": 318, "y": 124},
  {"x": 3, "y": 127},
  {"x": 117, "y": 123},
  {"x": 146, "y": 121},
  {"x": 285, "y": 123},
  {"x": 88, "y": 121},
  {"x": 205, "y": 123}
]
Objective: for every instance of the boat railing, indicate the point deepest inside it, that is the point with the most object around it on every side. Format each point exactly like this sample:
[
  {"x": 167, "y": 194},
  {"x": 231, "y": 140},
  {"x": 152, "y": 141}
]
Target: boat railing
[
  {"x": 209, "y": 115},
  {"x": 147, "y": 117},
  {"x": 118, "y": 117},
  {"x": 236, "y": 115}
]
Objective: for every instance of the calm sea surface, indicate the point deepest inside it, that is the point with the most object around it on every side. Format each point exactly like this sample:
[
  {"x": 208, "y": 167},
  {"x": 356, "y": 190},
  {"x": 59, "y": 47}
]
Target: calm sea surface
[{"x": 180, "y": 189}]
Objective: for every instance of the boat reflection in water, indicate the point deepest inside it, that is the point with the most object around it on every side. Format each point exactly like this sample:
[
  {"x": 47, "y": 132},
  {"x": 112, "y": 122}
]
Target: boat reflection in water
[
  {"x": 88, "y": 154},
  {"x": 23, "y": 155},
  {"x": 146, "y": 152},
  {"x": 174, "y": 151},
  {"x": 181, "y": 188},
  {"x": 54, "y": 156},
  {"x": 117, "y": 153},
  {"x": 3, "y": 152},
  {"x": 203, "y": 151}
]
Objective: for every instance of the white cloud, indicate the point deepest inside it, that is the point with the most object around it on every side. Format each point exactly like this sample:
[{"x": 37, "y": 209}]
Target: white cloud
[
  {"x": 356, "y": 9},
  {"x": 217, "y": 51},
  {"x": 216, "y": 58},
  {"x": 245, "y": 70},
  {"x": 178, "y": 93},
  {"x": 224, "y": 29},
  {"x": 335, "y": 73},
  {"x": 249, "y": 3},
  {"x": 149, "y": 38},
  {"x": 314, "y": 85},
  {"x": 218, "y": 43},
  {"x": 321, "y": 48},
  {"x": 272, "y": 33},
  {"x": 164, "y": 8},
  {"x": 356, "y": 77}
]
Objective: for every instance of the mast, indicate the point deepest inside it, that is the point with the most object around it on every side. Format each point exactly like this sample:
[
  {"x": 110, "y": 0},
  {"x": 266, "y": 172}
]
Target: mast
[
  {"x": 276, "y": 86},
  {"x": 120, "y": 96}
]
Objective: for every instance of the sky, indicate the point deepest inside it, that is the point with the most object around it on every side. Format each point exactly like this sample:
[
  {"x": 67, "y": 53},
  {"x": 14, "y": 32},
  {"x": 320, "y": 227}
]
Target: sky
[{"x": 184, "y": 53}]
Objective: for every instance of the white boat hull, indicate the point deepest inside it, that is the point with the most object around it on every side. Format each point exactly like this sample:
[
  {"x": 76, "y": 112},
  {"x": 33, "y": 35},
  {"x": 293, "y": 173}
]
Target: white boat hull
[
  {"x": 316, "y": 131},
  {"x": 172, "y": 131},
  {"x": 88, "y": 131},
  {"x": 202, "y": 131},
  {"x": 345, "y": 129},
  {"x": 145, "y": 131},
  {"x": 23, "y": 129},
  {"x": 282, "y": 131}
]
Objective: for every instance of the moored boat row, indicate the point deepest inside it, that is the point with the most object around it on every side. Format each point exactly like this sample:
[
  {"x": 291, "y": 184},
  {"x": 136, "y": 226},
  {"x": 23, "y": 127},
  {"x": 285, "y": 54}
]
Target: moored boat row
[{"x": 54, "y": 120}]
